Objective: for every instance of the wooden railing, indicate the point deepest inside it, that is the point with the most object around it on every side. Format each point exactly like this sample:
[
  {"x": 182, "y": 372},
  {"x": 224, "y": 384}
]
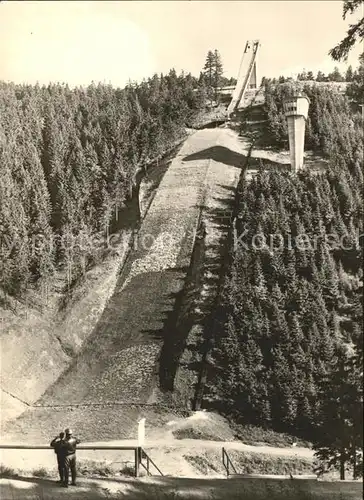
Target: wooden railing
[
  {"x": 148, "y": 463},
  {"x": 227, "y": 463},
  {"x": 139, "y": 454}
]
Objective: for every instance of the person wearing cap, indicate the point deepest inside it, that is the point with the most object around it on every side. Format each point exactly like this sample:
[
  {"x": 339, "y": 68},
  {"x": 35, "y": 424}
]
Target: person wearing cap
[
  {"x": 58, "y": 444},
  {"x": 70, "y": 444}
]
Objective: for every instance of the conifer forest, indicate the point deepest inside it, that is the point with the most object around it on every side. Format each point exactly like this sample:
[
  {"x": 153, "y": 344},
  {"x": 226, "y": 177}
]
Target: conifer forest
[
  {"x": 69, "y": 160},
  {"x": 290, "y": 355}
]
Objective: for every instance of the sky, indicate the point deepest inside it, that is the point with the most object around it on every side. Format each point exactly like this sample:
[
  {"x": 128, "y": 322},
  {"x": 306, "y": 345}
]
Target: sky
[{"x": 113, "y": 42}]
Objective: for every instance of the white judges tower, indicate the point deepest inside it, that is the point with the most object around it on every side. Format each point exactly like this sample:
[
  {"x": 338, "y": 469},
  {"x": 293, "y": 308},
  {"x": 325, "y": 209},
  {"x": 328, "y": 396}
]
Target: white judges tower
[{"x": 296, "y": 111}]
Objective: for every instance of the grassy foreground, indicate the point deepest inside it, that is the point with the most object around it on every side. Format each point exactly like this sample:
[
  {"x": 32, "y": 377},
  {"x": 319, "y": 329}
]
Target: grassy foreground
[{"x": 187, "y": 489}]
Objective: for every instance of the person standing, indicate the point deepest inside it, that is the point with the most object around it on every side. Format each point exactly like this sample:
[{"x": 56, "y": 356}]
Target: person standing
[
  {"x": 69, "y": 446},
  {"x": 58, "y": 444}
]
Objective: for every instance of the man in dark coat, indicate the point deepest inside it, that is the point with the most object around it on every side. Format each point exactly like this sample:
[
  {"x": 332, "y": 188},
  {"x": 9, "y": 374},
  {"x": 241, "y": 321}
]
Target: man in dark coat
[
  {"x": 70, "y": 444},
  {"x": 58, "y": 444}
]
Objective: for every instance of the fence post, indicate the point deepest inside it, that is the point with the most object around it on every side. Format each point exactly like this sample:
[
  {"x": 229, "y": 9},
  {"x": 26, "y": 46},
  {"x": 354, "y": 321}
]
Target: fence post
[{"x": 137, "y": 461}]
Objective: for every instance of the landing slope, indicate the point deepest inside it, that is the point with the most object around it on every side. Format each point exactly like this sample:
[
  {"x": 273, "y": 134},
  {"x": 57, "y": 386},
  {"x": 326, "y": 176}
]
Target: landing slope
[{"x": 119, "y": 361}]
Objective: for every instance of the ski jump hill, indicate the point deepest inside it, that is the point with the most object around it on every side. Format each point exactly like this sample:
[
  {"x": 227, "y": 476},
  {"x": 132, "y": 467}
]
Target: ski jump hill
[{"x": 123, "y": 358}]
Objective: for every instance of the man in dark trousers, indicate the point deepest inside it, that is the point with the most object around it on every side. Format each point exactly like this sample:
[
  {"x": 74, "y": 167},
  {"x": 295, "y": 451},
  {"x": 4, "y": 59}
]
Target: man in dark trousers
[
  {"x": 58, "y": 444},
  {"x": 70, "y": 444}
]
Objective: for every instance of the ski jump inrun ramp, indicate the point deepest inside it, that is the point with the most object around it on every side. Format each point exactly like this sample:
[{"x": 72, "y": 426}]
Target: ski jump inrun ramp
[{"x": 247, "y": 77}]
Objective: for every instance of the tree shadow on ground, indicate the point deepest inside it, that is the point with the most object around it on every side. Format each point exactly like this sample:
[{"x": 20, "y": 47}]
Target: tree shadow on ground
[
  {"x": 219, "y": 154},
  {"x": 24, "y": 488},
  {"x": 228, "y": 157},
  {"x": 157, "y": 488}
]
